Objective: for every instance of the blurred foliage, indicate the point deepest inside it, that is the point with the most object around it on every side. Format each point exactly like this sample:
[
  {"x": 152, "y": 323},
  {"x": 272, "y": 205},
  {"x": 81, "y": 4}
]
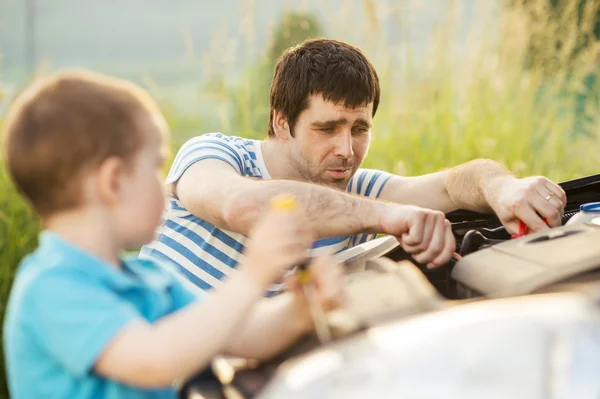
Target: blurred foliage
[
  {"x": 563, "y": 44},
  {"x": 247, "y": 104},
  {"x": 18, "y": 236},
  {"x": 496, "y": 103},
  {"x": 294, "y": 28}
]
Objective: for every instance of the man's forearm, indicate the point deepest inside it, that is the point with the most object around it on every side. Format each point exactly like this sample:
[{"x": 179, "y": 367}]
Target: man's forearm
[
  {"x": 468, "y": 184},
  {"x": 274, "y": 324},
  {"x": 331, "y": 212}
]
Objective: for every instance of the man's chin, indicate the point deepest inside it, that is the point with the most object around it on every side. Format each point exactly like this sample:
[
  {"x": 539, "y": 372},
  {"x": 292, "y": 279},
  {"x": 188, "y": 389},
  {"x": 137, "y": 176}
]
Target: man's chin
[
  {"x": 337, "y": 184},
  {"x": 340, "y": 182}
]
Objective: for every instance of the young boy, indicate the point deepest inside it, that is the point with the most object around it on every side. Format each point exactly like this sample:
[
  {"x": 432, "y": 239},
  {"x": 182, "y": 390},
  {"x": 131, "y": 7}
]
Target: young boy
[{"x": 83, "y": 322}]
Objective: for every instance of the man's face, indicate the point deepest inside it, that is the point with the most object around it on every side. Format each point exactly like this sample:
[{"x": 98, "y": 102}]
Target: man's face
[{"x": 330, "y": 142}]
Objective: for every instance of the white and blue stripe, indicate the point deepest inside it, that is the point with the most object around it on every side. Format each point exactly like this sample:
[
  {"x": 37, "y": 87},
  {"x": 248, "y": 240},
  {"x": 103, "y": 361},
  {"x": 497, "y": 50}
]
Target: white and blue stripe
[{"x": 205, "y": 254}]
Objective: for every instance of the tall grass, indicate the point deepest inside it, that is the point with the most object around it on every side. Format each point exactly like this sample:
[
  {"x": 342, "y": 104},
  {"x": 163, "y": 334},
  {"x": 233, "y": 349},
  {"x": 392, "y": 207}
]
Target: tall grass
[
  {"x": 522, "y": 91},
  {"x": 520, "y": 87},
  {"x": 18, "y": 236},
  {"x": 522, "y": 97}
]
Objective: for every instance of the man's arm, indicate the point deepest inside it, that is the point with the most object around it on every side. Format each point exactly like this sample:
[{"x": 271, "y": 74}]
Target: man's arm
[
  {"x": 483, "y": 185},
  {"x": 212, "y": 190},
  {"x": 428, "y": 191},
  {"x": 462, "y": 187}
]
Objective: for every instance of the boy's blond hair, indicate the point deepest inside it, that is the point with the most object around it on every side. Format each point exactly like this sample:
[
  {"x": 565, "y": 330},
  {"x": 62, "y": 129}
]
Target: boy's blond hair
[{"x": 67, "y": 124}]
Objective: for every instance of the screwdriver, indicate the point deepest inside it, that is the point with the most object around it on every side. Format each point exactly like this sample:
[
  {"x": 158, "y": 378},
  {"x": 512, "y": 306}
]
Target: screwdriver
[{"x": 288, "y": 203}]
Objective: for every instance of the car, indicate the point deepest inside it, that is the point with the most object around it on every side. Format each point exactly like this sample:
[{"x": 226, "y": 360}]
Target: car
[{"x": 514, "y": 318}]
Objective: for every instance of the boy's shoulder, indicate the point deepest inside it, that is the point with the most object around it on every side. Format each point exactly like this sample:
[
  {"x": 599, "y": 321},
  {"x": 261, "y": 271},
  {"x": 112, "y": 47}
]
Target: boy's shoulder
[
  {"x": 42, "y": 279},
  {"x": 57, "y": 266},
  {"x": 58, "y": 275},
  {"x": 42, "y": 268}
]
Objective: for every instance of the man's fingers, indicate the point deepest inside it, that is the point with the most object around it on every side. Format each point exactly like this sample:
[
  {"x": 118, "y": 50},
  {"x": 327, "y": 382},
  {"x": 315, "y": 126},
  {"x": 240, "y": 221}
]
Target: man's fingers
[
  {"x": 558, "y": 192},
  {"x": 555, "y": 202},
  {"x": 527, "y": 215},
  {"x": 423, "y": 244},
  {"x": 552, "y": 198},
  {"x": 551, "y": 213},
  {"x": 428, "y": 232},
  {"x": 448, "y": 252},
  {"x": 513, "y": 226},
  {"x": 414, "y": 236},
  {"x": 436, "y": 244}
]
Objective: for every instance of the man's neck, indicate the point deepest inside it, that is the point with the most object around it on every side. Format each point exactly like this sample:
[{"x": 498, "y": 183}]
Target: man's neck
[
  {"x": 276, "y": 162},
  {"x": 88, "y": 230}
]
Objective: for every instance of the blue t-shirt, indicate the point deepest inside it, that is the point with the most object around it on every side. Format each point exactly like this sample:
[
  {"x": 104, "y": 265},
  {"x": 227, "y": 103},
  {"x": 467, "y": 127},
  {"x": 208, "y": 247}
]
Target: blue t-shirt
[{"x": 65, "y": 306}]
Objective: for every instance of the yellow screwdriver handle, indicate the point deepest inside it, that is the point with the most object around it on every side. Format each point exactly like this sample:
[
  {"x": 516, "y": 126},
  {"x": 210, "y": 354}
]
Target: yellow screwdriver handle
[{"x": 284, "y": 202}]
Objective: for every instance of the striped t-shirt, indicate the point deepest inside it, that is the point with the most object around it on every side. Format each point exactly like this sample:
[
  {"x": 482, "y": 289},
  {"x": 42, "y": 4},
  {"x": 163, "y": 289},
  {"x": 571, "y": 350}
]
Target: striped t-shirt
[{"x": 205, "y": 254}]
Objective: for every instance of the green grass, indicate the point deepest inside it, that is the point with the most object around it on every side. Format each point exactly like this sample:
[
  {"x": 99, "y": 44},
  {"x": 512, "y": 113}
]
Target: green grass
[
  {"x": 526, "y": 96},
  {"x": 18, "y": 236}
]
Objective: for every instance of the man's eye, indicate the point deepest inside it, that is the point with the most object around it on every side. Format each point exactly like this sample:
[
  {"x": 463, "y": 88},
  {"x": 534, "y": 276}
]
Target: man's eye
[
  {"x": 326, "y": 129},
  {"x": 360, "y": 130}
]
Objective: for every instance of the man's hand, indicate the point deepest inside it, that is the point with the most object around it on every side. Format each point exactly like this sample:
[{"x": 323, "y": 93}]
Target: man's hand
[
  {"x": 424, "y": 233},
  {"x": 529, "y": 200}
]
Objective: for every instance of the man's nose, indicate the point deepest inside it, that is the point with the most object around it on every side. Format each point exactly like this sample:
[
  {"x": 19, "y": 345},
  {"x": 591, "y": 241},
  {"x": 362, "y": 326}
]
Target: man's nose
[{"x": 343, "y": 148}]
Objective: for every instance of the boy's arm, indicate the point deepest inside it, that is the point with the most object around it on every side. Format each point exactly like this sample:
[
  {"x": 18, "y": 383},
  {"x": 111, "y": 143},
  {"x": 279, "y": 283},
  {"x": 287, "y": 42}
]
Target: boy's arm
[
  {"x": 273, "y": 325},
  {"x": 278, "y": 322},
  {"x": 185, "y": 342},
  {"x": 180, "y": 344}
]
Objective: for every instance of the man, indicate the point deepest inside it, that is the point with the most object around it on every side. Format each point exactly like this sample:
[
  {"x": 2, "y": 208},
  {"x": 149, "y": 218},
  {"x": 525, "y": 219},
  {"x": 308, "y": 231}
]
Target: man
[{"x": 323, "y": 98}]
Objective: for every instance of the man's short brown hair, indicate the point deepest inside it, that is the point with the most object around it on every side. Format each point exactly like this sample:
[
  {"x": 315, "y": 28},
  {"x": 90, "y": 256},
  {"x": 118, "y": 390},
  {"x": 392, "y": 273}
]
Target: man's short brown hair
[
  {"x": 66, "y": 124},
  {"x": 341, "y": 73}
]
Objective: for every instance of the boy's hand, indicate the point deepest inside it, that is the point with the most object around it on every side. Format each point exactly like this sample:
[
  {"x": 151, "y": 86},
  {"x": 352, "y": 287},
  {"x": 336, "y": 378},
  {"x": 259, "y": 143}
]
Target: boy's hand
[
  {"x": 328, "y": 280},
  {"x": 279, "y": 241}
]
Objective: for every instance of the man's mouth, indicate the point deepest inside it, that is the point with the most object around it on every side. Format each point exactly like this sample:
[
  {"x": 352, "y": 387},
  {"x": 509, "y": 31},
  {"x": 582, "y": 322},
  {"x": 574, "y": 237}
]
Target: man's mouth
[{"x": 341, "y": 173}]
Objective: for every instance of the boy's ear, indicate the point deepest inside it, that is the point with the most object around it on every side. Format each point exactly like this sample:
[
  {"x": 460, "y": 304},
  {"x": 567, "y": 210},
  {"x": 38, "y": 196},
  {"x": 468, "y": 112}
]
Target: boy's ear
[
  {"x": 281, "y": 126},
  {"x": 108, "y": 182}
]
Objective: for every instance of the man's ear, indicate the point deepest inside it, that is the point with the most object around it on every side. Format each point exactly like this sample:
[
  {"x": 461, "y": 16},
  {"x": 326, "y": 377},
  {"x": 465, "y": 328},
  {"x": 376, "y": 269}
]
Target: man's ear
[
  {"x": 281, "y": 126},
  {"x": 109, "y": 183}
]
